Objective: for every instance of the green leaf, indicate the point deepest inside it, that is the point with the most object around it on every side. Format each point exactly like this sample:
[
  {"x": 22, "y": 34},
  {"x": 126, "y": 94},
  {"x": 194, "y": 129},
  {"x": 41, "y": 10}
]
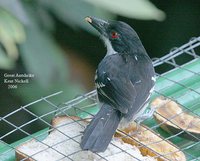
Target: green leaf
[
  {"x": 15, "y": 7},
  {"x": 139, "y": 9},
  {"x": 5, "y": 61},
  {"x": 73, "y": 12},
  {"x": 11, "y": 33},
  {"x": 43, "y": 58}
]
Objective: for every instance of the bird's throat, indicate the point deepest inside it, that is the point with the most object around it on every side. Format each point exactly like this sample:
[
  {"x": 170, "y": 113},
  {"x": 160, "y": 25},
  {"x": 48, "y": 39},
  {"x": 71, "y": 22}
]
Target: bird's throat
[{"x": 110, "y": 50}]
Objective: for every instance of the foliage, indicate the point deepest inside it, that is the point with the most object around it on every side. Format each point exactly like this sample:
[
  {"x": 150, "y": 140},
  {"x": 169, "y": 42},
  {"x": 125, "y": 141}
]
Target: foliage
[
  {"x": 11, "y": 33},
  {"x": 139, "y": 9},
  {"x": 17, "y": 15}
]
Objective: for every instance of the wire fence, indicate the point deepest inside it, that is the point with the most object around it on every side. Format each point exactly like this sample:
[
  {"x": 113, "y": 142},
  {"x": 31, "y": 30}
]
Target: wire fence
[{"x": 179, "y": 81}]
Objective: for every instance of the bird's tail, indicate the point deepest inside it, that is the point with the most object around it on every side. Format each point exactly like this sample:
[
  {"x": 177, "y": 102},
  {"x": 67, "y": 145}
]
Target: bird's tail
[{"x": 99, "y": 132}]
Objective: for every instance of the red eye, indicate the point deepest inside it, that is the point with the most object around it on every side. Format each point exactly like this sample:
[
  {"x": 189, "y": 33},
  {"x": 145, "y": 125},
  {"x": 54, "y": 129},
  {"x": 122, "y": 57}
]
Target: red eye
[{"x": 114, "y": 35}]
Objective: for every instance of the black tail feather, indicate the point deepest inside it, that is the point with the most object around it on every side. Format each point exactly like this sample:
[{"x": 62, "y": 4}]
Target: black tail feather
[{"x": 99, "y": 132}]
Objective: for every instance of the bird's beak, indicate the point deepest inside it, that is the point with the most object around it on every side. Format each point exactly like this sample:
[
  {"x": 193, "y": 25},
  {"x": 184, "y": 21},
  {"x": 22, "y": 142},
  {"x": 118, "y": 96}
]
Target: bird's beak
[{"x": 99, "y": 24}]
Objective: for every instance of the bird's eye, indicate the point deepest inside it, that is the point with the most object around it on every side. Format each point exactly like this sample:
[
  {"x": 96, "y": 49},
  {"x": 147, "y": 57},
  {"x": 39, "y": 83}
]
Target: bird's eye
[{"x": 114, "y": 35}]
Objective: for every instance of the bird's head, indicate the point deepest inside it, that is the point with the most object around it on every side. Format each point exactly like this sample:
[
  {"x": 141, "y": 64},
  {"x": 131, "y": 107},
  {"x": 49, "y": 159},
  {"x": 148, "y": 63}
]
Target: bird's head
[{"x": 117, "y": 35}]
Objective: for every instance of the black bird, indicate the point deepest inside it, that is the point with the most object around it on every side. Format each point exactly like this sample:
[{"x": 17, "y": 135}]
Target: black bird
[{"x": 124, "y": 80}]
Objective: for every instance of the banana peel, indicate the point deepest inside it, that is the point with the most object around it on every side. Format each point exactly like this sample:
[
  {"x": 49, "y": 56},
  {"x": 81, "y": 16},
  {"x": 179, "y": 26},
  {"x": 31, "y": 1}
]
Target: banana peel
[
  {"x": 150, "y": 143},
  {"x": 173, "y": 119}
]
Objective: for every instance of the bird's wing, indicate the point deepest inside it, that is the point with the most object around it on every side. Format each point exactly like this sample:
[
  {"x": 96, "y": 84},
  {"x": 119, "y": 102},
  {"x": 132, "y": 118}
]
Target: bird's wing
[{"x": 115, "y": 87}]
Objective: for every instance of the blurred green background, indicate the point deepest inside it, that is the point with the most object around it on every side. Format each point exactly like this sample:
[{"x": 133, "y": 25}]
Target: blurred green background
[{"x": 50, "y": 39}]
